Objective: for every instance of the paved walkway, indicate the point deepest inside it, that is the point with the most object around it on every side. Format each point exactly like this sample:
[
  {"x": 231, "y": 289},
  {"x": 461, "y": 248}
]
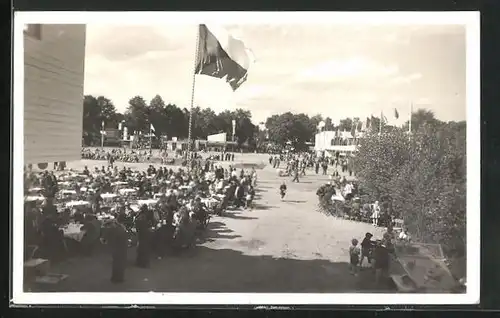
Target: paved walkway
[{"x": 280, "y": 246}]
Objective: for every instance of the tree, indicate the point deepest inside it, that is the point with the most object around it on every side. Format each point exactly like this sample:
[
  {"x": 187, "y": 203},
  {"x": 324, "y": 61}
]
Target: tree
[
  {"x": 424, "y": 176},
  {"x": 156, "y": 114},
  {"x": 177, "y": 122},
  {"x": 345, "y": 124},
  {"x": 95, "y": 111},
  {"x": 296, "y": 129},
  {"x": 136, "y": 116},
  {"x": 107, "y": 112},
  {"x": 422, "y": 118}
]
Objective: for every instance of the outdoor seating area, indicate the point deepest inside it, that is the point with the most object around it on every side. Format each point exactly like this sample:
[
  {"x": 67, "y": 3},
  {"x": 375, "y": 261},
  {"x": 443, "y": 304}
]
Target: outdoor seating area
[{"x": 75, "y": 213}]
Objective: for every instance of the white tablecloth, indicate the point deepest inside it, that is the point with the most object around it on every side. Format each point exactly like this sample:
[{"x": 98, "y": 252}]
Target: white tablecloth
[
  {"x": 32, "y": 198},
  {"x": 210, "y": 202},
  {"x": 126, "y": 191},
  {"x": 73, "y": 232},
  {"x": 147, "y": 202},
  {"x": 77, "y": 203},
  {"x": 108, "y": 195}
]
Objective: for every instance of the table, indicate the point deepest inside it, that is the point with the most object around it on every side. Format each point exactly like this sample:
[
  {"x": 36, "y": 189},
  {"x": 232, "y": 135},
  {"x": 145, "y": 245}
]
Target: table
[
  {"x": 73, "y": 231},
  {"x": 119, "y": 183},
  {"x": 32, "y": 198},
  {"x": 108, "y": 195},
  {"x": 147, "y": 202},
  {"x": 77, "y": 203},
  {"x": 209, "y": 202},
  {"x": 127, "y": 191}
]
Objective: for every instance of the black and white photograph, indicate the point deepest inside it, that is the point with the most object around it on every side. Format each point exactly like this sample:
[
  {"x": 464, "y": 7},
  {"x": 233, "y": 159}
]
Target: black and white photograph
[{"x": 248, "y": 158}]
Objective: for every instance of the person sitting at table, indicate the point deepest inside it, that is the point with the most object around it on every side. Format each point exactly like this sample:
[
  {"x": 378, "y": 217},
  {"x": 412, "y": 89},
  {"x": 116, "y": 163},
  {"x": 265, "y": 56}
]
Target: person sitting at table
[
  {"x": 92, "y": 229},
  {"x": 78, "y": 216}
]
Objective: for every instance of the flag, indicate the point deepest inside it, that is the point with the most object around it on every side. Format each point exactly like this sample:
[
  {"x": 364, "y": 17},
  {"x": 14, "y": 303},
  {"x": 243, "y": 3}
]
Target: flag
[
  {"x": 383, "y": 119},
  {"x": 368, "y": 123},
  {"x": 102, "y": 125},
  {"x": 221, "y": 55},
  {"x": 396, "y": 114},
  {"x": 354, "y": 127},
  {"x": 152, "y": 128}
]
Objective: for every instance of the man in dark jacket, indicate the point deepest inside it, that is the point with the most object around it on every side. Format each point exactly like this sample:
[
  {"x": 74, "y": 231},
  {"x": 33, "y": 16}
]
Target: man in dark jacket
[
  {"x": 144, "y": 224},
  {"x": 118, "y": 243}
]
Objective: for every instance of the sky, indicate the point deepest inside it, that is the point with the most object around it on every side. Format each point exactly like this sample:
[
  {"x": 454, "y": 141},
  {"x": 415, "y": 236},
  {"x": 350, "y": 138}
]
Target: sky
[{"x": 335, "y": 70}]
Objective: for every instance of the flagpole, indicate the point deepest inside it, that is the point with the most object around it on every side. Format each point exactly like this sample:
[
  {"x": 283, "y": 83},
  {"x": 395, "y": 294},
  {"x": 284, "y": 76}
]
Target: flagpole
[
  {"x": 380, "y": 123},
  {"x": 409, "y": 120},
  {"x": 150, "y": 138},
  {"x": 102, "y": 134},
  {"x": 192, "y": 97}
]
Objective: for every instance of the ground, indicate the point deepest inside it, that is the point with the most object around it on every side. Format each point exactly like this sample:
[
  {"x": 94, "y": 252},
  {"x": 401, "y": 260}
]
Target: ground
[{"x": 280, "y": 246}]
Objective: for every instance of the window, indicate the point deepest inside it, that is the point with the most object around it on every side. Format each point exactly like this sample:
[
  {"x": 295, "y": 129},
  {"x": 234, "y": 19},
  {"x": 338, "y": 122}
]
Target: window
[{"x": 33, "y": 30}]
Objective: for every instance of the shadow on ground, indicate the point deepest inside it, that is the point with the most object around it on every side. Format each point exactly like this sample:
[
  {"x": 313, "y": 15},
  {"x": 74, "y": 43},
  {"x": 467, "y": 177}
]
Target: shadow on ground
[
  {"x": 216, "y": 230},
  {"x": 203, "y": 269},
  {"x": 294, "y": 201},
  {"x": 237, "y": 215}
]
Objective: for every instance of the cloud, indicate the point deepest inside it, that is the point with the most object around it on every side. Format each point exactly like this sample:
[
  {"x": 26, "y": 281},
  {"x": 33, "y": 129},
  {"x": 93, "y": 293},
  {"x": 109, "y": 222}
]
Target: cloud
[
  {"x": 336, "y": 70},
  {"x": 118, "y": 43},
  {"x": 351, "y": 68},
  {"x": 405, "y": 79}
]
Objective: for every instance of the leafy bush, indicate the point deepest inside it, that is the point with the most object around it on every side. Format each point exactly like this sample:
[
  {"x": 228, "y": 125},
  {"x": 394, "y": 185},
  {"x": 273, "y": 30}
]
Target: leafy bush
[{"x": 424, "y": 176}]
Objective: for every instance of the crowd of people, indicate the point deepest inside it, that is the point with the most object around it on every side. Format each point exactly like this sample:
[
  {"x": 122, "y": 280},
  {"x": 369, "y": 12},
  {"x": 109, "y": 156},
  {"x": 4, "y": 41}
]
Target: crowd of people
[{"x": 158, "y": 210}]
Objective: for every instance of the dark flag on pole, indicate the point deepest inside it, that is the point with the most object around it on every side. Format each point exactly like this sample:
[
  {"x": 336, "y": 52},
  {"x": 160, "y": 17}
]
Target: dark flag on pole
[{"x": 222, "y": 56}]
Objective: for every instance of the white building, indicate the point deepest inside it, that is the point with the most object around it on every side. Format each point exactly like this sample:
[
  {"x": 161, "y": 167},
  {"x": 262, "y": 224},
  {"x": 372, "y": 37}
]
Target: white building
[
  {"x": 54, "y": 58},
  {"x": 329, "y": 142}
]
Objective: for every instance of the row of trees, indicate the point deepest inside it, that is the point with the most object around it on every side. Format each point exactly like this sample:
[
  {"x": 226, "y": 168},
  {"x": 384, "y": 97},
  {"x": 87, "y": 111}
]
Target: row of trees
[
  {"x": 168, "y": 119},
  {"x": 425, "y": 175},
  {"x": 173, "y": 121}
]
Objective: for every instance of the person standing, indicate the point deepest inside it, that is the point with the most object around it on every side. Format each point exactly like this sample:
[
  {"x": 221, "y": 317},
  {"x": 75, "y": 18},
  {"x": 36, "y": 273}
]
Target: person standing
[
  {"x": 354, "y": 252},
  {"x": 376, "y": 213},
  {"x": 295, "y": 175},
  {"x": 143, "y": 225},
  {"x": 118, "y": 243},
  {"x": 283, "y": 190},
  {"x": 316, "y": 167}
]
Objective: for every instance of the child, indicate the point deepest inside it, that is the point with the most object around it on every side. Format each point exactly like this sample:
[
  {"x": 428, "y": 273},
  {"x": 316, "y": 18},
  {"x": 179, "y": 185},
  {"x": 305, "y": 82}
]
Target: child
[
  {"x": 282, "y": 190},
  {"x": 366, "y": 246},
  {"x": 354, "y": 252}
]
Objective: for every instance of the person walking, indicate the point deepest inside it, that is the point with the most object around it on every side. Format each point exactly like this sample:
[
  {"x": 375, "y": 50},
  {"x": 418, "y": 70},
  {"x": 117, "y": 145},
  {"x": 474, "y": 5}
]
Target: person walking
[{"x": 295, "y": 175}]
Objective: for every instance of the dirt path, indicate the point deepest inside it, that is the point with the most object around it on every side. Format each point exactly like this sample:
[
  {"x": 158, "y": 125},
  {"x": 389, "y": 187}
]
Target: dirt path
[{"x": 277, "y": 247}]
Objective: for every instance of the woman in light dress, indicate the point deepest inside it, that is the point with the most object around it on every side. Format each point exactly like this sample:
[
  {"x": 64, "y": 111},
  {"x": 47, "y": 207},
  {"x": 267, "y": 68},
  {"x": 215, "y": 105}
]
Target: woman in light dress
[{"x": 376, "y": 213}]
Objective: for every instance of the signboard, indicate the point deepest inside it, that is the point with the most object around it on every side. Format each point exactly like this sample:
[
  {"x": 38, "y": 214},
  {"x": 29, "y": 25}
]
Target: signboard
[{"x": 222, "y": 137}]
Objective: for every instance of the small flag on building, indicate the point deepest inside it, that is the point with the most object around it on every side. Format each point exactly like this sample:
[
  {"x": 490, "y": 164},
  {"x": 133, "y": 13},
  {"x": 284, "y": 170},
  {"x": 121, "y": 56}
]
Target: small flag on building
[
  {"x": 221, "y": 55},
  {"x": 396, "y": 114},
  {"x": 152, "y": 128}
]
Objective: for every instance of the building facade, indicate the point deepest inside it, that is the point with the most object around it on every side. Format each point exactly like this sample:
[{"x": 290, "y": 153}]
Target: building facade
[
  {"x": 54, "y": 59},
  {"x": 330, "y": 142}
]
